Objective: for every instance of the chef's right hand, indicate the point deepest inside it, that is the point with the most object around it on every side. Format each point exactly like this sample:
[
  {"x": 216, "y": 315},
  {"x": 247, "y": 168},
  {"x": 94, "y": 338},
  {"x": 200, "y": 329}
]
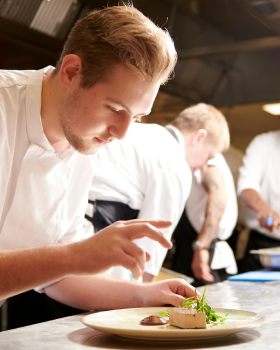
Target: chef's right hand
[
  {"x": 113, "y": 246},
  {"x": 268, "y": 218}
]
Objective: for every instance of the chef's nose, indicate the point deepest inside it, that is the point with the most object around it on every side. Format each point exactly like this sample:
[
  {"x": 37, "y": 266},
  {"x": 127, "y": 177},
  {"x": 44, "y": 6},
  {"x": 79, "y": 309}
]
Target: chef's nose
[{"x": 119, "y": 130}]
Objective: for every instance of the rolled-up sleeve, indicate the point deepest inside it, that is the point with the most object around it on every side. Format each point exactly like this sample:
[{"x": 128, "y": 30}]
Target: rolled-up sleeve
[{"x": 254, "y": 164}]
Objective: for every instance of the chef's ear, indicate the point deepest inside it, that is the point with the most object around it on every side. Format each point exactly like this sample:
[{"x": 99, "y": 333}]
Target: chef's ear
[
  {"x": 198, "y": 136},
  {"x": 70, "y": 70}
]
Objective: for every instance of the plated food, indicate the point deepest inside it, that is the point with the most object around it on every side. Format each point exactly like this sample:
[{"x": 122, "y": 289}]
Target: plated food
[
  {"x": 195, "y": 313},
  {"x": 153, "y": 320},
  {"x": 126, "y": 323},
  {"x": 187, "y": 318},
  {"x": 129, "y": 323}
]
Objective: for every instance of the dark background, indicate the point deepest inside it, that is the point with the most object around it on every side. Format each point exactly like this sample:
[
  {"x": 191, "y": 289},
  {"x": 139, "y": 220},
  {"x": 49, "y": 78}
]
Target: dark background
[{"x": 229, "y": 52}]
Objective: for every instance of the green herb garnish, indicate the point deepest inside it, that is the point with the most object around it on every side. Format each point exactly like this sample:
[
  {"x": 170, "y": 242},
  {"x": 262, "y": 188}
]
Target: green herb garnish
[{"x": 199, "y": 303}]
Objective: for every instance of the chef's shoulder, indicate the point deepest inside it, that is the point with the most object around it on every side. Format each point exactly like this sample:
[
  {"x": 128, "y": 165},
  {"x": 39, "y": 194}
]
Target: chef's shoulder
[
  {"x": 10, "y": 78},
  {"x": 151, "y": 137},
  {"x": 268, "y": 141},
  {"x": 159, "y": 150}
]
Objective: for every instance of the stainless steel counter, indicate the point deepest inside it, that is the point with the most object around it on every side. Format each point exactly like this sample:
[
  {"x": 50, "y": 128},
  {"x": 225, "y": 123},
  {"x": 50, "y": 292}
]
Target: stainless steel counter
[{"x": 69, "y": 333}]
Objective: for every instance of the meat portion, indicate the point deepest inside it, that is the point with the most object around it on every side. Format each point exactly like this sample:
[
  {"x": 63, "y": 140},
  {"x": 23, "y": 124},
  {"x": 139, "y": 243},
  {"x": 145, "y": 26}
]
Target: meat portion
[
  {"x": 187, "y": 318},
  {"x": 153, "y": 321}
]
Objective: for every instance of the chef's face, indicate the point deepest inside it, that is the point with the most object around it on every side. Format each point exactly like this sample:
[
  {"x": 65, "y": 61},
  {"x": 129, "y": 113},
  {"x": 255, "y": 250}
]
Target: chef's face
[
  {"x": 198, "y": 156},
  {"x": 93, "y": 117}
]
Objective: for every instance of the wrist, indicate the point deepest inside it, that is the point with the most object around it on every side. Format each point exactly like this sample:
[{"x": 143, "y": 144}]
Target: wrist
[
  {"x": 71, "y": 259},
  {"x": 198, "y": 245},
  {"x": 142, "y": 294}
]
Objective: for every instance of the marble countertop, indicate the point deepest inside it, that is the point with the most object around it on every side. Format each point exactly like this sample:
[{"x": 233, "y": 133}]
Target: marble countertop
[{"x": 69, "y": 333}]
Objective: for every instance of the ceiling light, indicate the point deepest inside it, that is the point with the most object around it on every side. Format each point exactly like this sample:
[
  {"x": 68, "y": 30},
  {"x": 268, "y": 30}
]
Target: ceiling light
[{"x": 272, "y": 108}]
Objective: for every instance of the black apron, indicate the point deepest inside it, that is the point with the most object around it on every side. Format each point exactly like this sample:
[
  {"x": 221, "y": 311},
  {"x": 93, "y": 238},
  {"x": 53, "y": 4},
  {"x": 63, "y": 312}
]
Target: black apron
[{"x": 106, "y": 213}]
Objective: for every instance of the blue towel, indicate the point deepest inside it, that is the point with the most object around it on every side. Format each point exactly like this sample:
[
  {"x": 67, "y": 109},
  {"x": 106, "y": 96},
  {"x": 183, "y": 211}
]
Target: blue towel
[{"x": 257, "y": 276}]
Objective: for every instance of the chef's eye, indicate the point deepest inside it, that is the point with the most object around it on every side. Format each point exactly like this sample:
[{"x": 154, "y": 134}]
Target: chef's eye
[{"x": 114, "y": 110}]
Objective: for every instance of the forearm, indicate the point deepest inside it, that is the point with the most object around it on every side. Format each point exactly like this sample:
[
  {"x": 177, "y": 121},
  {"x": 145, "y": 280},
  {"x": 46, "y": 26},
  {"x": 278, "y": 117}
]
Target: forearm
[
  {"x": 100, "y": 292},
  {"x": 96, "y": 292},
  {"x": 253, "y": 200},
  {"x": 214, "y": 185},
  {"x": 214, "y": 212},
  {"x": 217, "y": 199},
  {"x": 21, "y": 270}
]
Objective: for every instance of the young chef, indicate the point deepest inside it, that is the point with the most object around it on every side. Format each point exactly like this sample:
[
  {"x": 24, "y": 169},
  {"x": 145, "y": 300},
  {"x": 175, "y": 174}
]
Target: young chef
[
  {"x": 108, "y": 75},
  {"x": 146, "y": 176}
]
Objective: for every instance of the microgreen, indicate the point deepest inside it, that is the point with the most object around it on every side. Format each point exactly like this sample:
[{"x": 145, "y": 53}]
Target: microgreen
[{"x": 199, "y": 303}]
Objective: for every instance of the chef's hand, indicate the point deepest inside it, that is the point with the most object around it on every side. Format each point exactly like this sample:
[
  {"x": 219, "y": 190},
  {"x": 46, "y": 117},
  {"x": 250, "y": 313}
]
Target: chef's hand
[
  {"x": 168, "y": 292},
  {"x": 266, "y": 212},
  {"x": 200, "y": 267},
  {"x": 113, "y": 246}
]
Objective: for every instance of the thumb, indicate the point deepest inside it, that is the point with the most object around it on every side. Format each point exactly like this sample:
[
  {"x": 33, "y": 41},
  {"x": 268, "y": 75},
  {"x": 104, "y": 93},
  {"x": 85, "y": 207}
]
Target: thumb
[
  {"x": 209, "y": 277},
  {"x": 206, "y": 275},
  {"x": 176, "y": 300},
  {"x": 148, "y": 256}
]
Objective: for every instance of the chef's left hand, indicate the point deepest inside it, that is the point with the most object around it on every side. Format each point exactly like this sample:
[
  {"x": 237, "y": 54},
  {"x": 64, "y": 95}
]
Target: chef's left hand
[
  {"x": 200, "y": 267},
  {"x": 167, "y": 292}
]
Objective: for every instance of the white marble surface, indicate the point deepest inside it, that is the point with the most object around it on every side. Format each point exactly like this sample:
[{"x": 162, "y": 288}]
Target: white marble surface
[{"x": 69, "y": 333}]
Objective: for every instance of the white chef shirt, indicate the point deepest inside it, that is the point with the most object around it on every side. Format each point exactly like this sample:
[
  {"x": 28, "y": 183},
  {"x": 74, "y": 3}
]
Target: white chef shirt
[
  {"x": 146, "y": 171},
  {"x": 261, "y": 172},
  {"x": 179, "y": 137},
  {"x": 43, "y": 193},
  {"x": 196, "y": 207}
]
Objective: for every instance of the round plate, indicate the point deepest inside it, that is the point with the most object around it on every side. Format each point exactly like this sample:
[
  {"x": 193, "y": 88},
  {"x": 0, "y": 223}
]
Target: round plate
[{"x": 126, "y": 323}]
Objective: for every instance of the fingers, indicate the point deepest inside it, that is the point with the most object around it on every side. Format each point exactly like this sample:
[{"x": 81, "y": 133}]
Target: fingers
[
  {"x": 272, "y": 222},
  {"x": 124, "y": 252},
  {"x": 172, "y": 291},
  {"x": 204, "y": 276},
  {"x": 262, "y": 222},
  {"x": 130, "y": 264},
  {"x": 205, "y": 273},
  {"x": 202, "y": 272},
  {"x": 144, "y": 229},
  {"x": 148, "y": 256},
  {"x": 208, "y": 277},
  {"x": 269, "y": 220},
  {"x": 155, "y": 223},
  {"x": 183, "y": 290},
  {"x": 176, "y": 300},
  {"x": 135, "y": 229},
  {"x": 136, "y": 258}
]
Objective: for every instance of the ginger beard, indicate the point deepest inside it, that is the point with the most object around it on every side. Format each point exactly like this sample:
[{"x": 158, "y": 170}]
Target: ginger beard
[{"x": 66, "y": 111}]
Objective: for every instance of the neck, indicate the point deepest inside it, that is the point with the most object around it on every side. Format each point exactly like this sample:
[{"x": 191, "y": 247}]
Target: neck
[{"x": 51, "y": 95}]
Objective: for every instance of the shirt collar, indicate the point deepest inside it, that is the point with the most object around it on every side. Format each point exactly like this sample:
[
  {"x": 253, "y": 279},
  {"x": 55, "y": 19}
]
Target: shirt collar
[
  {"x": 35, "y": 130},
  {"x": 33, "y": 110},
  {"x": 179, "y": 137}
]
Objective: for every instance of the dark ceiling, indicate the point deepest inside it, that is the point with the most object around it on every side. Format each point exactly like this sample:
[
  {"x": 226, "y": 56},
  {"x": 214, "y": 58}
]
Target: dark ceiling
[{"x": 228, "y": 50}]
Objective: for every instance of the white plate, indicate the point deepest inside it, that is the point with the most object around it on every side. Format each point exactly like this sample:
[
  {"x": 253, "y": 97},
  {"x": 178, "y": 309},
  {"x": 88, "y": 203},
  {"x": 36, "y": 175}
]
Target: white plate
[{"x": 126, "y": 323}]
